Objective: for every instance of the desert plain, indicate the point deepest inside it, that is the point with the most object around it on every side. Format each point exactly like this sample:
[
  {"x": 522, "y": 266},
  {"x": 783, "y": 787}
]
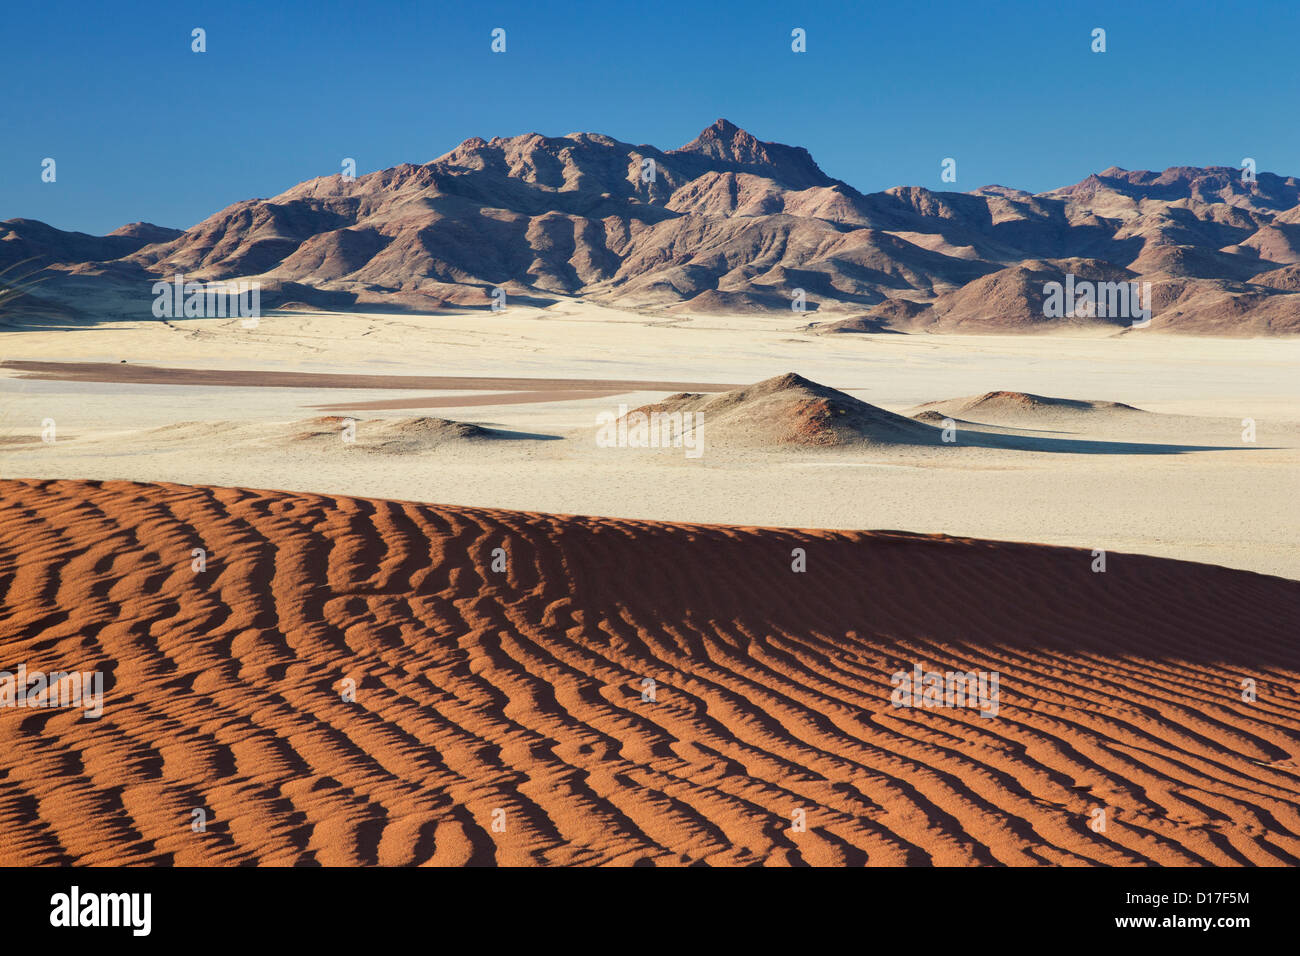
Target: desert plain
[
  {"x": 469, "y": 633},
  {"x": 1204, "y": 470}
]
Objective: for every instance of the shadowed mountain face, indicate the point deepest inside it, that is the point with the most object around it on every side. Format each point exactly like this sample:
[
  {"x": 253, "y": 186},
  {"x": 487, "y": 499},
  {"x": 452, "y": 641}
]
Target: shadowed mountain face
[
  {"x": 28, "y": 239},
  {"x": 729, "y": 223}
]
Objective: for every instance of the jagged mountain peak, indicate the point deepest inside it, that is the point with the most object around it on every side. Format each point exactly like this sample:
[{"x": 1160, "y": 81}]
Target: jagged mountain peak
[{"x": 728, "y": 144}]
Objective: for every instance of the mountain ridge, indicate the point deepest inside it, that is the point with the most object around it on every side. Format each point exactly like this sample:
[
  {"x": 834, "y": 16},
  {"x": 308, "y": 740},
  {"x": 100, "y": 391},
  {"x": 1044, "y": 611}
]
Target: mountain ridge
[{"x": 726, "y": 222}]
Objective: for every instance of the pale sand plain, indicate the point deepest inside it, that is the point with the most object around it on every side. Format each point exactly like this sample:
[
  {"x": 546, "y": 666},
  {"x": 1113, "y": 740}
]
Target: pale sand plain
[
  {"x": 1231, "y": 504},
  {"x": 521, "y": 690}
]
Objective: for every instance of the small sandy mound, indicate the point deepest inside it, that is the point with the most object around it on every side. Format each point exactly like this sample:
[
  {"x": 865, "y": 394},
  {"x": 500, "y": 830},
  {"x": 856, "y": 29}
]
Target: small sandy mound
[
  {"x": 936, "y": 417},
  {"x": 719, "y": 301},
  {"x": 1014, "y": 405},
  {"x": 863, "y": 323},
  {"x": 890, "y": 316},
  {"x": 403, "y": 435},
  {"x": 790, "y": 410},
  {"x": 393, "y": 435}
]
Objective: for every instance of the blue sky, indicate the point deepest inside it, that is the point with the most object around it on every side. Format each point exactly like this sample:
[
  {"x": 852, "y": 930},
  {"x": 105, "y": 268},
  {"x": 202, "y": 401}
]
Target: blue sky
[{"x": 142, "y": 128}]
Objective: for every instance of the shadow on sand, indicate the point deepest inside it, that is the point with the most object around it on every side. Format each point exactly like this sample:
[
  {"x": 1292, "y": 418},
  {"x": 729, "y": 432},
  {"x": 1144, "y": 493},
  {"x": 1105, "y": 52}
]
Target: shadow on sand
[{"x": 1081, "y": 446}]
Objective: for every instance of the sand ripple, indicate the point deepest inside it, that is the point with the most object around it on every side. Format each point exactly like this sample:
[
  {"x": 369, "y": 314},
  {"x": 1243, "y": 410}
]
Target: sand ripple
[{"x": 521, "y": 691}]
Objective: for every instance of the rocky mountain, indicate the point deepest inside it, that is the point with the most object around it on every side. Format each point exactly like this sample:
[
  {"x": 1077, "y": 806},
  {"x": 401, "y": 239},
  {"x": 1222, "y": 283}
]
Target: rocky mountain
[
  {"x": 24, "y": 239},
  {"x": 730, "y": 223}
]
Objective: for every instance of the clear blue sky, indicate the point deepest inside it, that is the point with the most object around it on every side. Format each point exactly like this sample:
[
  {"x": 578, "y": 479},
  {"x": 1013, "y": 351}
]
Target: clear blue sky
[{"x": 143, "y": 129}]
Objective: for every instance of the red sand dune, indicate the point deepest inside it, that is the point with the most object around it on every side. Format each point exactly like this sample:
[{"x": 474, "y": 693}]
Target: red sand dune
[{"x": 521, "y": 691}]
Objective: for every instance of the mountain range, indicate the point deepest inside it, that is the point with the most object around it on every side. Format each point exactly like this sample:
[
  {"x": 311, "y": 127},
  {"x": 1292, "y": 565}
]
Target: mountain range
[{"x": 726, "y": 223}]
